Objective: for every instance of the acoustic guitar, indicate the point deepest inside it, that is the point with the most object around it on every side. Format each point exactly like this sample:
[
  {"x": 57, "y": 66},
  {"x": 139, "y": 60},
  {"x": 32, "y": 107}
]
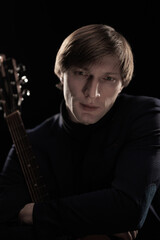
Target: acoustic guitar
[{"x": 12, "y": 93}]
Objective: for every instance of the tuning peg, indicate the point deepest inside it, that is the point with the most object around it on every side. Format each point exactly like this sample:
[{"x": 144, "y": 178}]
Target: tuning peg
[
  {"x": 24, "y": 80},
  {"x": 21, "y": 68},
  {"x": 26, "y": 92}
]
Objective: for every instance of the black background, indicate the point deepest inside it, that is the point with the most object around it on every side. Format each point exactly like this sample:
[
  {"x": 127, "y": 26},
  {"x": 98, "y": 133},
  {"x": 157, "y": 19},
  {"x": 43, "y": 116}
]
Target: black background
[{"x": 32, "y": 31}]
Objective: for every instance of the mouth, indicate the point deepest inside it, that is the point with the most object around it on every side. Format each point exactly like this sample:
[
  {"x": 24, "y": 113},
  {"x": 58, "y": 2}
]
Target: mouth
[{"x": 88, "y": 107}]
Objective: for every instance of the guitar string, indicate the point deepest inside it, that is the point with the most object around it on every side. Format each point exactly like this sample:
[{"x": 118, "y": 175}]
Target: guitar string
[
  {"x": 21, "y": 151},
  {"x": 41, "y": 190},
  {"x": 27, "y": 156}
]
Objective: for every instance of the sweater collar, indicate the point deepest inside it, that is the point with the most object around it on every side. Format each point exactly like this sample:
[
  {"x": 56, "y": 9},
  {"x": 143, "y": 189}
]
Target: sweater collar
[{"x": 81, "y": 131}]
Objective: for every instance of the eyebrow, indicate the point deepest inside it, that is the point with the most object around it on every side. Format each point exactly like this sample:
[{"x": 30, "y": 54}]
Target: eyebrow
[
  {"x": 112, "y": 73},
  {"x": 105, "y": 73}
]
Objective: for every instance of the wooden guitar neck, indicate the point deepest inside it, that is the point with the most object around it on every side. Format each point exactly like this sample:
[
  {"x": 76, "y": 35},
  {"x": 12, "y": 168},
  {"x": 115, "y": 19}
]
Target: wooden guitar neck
[{"x": 29, "y": 165}]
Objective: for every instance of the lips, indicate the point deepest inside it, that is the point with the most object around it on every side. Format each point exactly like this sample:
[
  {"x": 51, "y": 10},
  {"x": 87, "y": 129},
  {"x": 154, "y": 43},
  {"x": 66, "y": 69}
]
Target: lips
[{"x": 88, "y": 107}]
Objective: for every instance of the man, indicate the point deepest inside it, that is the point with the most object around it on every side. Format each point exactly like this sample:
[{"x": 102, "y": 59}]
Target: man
[{"x": 99, "y": 156}]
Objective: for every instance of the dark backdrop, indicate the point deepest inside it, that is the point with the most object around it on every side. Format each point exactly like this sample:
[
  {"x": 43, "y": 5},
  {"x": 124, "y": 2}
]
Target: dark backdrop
[{"x": 32, "y": 31}]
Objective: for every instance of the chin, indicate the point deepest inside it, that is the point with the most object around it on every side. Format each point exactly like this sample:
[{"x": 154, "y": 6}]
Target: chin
[{"x": 88, "y": 121}]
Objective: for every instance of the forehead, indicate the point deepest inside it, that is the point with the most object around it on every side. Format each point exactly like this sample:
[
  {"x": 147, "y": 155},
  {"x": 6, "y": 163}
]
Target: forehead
[{"x": 108, "y": 63}]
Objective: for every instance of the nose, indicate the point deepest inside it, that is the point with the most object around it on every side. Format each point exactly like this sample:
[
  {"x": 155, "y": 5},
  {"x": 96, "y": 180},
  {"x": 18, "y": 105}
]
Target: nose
[{"x": 91, "y": 88}]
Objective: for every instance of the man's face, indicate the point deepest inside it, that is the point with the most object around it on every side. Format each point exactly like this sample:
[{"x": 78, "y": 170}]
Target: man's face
[{"x": 90, "y": 91}]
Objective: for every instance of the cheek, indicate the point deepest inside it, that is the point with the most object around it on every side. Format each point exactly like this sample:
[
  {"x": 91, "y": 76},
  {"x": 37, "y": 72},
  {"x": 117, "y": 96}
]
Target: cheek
[
  {"x": 66, "y": 92},
  {"x": 73, "y": 88},
  {"x": 70, "y": 91},
  {"x": 114, "y": 91},
  {"x": 110, "y": 94}
]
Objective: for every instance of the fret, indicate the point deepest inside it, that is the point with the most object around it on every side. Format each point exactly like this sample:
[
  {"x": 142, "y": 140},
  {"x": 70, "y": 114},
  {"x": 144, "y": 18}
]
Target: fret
[
  {"x": 27, "y": 159},
  {"x": 11, "y": 97}
]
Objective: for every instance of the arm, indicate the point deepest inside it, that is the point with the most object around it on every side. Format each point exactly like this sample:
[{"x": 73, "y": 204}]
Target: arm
[
  {"x": 13, "y": 189},
  {"x": 26, "y": 217},
  {"x": 121, "y": 207},
  {"x": 125, "y": 204}
]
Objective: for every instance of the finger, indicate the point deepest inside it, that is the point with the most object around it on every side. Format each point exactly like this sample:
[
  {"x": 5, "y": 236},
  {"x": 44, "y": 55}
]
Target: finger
[
  {"x": 95, "y": 237},
  {"x": 134, "y": 234},
  {"x": 124, "y": 236}
]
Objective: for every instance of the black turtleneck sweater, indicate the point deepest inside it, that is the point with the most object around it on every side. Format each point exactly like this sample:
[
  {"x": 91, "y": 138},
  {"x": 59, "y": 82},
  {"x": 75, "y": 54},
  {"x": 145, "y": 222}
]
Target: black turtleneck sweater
[
  {"x": 82, "y": 141},
  {"x": 102, "y": 178}
]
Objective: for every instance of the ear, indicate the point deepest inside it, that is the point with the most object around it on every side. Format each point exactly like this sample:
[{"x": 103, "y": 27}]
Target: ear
[
  {"x": 60, "y": 84},
  {"x": 120, "y": 90},
  {"x": 61, "y": 78}
]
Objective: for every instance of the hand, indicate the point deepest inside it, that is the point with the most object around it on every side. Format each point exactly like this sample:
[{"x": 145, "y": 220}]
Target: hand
[
  {"x": 95, "y": 237},
  {"x": 25, "y": 215},
  {"x": 122, "y": 236},
  {"x": 127, "y": 235}
]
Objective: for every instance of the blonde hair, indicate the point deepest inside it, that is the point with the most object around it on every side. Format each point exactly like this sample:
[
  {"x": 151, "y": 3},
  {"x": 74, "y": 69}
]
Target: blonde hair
[{"x": 89, "y": 44}]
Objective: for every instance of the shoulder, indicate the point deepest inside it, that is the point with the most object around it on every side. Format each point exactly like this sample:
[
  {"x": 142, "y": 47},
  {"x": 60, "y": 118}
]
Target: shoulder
[
  {"x": 139, "y": 113},
  {"x": 131, "y": 104},
  {"x": 142, "y": 100},
  {"x": 46, "y": 128}
]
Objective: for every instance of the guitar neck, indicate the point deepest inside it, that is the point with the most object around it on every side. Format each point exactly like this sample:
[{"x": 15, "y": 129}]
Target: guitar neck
[{"x": 29, "y": 165}]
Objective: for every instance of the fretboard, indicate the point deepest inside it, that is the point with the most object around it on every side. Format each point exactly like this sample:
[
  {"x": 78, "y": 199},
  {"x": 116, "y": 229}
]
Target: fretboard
[{"x": 31, "y": 170}]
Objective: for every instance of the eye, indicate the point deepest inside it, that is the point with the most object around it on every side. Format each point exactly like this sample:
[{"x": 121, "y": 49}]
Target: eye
[
  {"x": 81, "y": 73},
  {"x": 109, "y": 79}
]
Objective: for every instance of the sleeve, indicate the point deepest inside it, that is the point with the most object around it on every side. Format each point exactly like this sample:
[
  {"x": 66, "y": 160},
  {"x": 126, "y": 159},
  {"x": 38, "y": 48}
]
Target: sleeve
[
  {"x": 123, "y": 206},
  {"x": 13, "y": 189}
]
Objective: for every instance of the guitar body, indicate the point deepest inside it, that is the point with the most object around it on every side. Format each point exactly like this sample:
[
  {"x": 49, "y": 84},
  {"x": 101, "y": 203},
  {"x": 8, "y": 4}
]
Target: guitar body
[{"x": 11, "y": 97}]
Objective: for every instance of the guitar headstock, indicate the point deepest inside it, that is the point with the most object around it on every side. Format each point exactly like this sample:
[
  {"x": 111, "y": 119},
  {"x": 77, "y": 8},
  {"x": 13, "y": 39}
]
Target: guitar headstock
[{"x": 12, "y": 79}]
